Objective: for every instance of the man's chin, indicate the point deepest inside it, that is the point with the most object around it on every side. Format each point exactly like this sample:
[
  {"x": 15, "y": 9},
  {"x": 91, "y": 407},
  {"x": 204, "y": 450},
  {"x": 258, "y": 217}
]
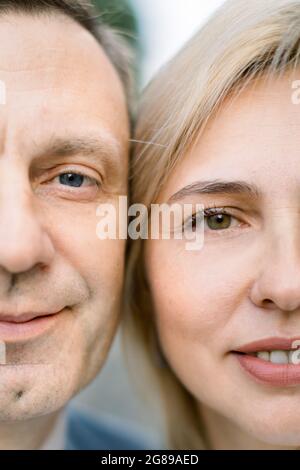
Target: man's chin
[{"x": 28, "y": 391}]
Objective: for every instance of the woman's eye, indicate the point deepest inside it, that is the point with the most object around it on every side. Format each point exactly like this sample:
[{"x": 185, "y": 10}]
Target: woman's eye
[
  {"x": 219, "y": 221},
  {"x": 214, "y": 220}
]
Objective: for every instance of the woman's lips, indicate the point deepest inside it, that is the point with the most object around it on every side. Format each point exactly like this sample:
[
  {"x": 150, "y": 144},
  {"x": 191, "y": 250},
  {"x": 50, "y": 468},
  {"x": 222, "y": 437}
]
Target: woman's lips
[
  {"x": 12, "y": 331},
  {"x": 265, "y": 372},
  {"x": 270, "y": 344}
]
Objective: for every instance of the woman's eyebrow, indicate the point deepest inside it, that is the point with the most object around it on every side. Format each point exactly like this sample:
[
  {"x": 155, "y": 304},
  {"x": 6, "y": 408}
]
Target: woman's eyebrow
[{"x": 218, "y": 187}]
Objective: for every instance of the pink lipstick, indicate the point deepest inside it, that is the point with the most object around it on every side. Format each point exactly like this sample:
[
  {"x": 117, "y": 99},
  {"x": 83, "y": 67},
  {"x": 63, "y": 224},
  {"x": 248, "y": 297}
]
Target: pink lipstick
[{"x": 278, "y": 368}]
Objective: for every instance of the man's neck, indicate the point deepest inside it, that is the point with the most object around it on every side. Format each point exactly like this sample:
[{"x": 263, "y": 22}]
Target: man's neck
[{"x": 27, "y": 435}]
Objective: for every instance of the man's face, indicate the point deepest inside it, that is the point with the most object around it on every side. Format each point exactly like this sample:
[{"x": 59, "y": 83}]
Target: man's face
[{"x": 63, "y": 151}]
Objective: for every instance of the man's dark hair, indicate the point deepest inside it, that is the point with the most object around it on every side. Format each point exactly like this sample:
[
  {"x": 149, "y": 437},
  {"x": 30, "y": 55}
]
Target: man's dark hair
[{"x": 83, "y": 12}]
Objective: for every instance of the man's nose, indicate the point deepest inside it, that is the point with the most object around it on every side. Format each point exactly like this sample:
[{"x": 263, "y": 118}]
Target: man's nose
[
  {"x": 24, "y": 242},
  {"x": 277, "y": 284}
]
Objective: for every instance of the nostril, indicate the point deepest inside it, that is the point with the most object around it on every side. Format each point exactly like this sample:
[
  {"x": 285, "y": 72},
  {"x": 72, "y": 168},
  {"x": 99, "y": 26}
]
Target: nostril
[{"x": 267, "y": 303}]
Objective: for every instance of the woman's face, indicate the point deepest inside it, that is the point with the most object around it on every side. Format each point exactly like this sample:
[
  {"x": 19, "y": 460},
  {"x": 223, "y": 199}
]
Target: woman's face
[{"x": 244, "y": 284}]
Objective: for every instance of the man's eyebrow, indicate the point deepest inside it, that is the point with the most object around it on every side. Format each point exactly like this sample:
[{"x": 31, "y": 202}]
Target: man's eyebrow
[
  {"x": 64, "y": 146},
  {"x": 218, "y": 187},
  {"x": 105, "y": 150}
]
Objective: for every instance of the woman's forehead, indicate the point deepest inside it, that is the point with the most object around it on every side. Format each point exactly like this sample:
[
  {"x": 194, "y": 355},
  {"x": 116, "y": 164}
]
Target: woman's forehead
[{"x": 255, "y": 135}]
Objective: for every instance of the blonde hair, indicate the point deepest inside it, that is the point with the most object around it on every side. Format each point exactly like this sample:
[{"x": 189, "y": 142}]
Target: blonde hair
[{"x": 242, "y": 41}]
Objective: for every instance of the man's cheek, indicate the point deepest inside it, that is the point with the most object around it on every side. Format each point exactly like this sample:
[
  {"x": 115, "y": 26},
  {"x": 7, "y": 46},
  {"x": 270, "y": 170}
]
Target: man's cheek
[{"x": 104, "y": 264}]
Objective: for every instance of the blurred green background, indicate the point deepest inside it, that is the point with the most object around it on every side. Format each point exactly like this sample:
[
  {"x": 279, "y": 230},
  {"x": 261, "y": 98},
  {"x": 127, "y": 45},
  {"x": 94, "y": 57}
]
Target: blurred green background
[{"x": 120, "y": 15}]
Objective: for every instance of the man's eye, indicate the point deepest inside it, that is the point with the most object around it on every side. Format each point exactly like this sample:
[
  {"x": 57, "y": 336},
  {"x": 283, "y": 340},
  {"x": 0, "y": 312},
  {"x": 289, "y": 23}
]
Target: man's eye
[
  {"x": 75, "y": 180},
  {"x": 73, "y": 184}
]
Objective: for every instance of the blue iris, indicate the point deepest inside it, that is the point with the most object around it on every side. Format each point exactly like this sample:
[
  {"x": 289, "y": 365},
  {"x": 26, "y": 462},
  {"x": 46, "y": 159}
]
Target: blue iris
[{"x": 71, "y": 179}]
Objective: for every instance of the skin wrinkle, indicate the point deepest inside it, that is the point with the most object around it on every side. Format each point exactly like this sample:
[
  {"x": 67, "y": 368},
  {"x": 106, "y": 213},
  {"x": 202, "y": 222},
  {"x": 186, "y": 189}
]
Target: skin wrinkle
[
  {"x": 243, "y": 285},
  {"x": 104, "y": 152},
  {"x": 50, "y": 256}
]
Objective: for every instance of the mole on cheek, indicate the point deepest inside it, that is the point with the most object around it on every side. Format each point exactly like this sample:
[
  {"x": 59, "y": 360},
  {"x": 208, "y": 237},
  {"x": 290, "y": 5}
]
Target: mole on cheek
[{"x": 19, "y": 394}]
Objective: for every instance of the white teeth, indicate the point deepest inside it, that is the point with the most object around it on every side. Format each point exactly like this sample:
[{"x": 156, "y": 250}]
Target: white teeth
[
  {"x": 279, "y": 357},
  {"x": 292, "y": 357},
  {"x": 265, "y": 355}
]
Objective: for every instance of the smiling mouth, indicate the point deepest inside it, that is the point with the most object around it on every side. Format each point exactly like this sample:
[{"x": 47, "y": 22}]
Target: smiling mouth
[
  {"x": 26, "y": 328},
  {"x": 276, "y": 368},
  {"x": 271, "y": 361},
  {"x": 274, "y": 356}
]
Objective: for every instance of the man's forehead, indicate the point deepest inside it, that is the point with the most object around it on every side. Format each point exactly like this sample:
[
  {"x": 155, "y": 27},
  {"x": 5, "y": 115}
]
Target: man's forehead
[
  {"x": 63, "y": 81},
  {"x": 54, "y": 44}
]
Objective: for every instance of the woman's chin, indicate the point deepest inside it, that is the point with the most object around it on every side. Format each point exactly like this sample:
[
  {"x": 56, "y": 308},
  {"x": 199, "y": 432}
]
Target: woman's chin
[{"x": 282, "y": 432}]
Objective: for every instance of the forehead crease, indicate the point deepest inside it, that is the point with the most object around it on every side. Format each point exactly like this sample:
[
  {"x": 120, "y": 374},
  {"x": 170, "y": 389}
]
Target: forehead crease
[
  {"x": 64, "y": 75},
  {"x": 77, "y": 57}
]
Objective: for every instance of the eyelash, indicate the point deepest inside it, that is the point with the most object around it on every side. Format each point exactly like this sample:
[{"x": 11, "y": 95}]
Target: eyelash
[
  {"x": 75, "y": 172},
  {"x": 209, "y": 212}
]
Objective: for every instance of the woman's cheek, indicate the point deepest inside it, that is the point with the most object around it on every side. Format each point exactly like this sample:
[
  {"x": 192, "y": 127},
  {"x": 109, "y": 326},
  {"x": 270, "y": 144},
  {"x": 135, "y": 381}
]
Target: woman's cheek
[{"x": 193, "y": 300}]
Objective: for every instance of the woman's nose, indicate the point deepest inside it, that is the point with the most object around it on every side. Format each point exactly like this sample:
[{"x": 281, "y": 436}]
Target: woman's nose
[{"x": 277, "y": 284}]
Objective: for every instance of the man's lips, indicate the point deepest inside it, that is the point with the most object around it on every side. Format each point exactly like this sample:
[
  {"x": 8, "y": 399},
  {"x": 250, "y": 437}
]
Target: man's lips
[
  {"x": 24, "y": 317},
  {"x": 27, "y": 326}
]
